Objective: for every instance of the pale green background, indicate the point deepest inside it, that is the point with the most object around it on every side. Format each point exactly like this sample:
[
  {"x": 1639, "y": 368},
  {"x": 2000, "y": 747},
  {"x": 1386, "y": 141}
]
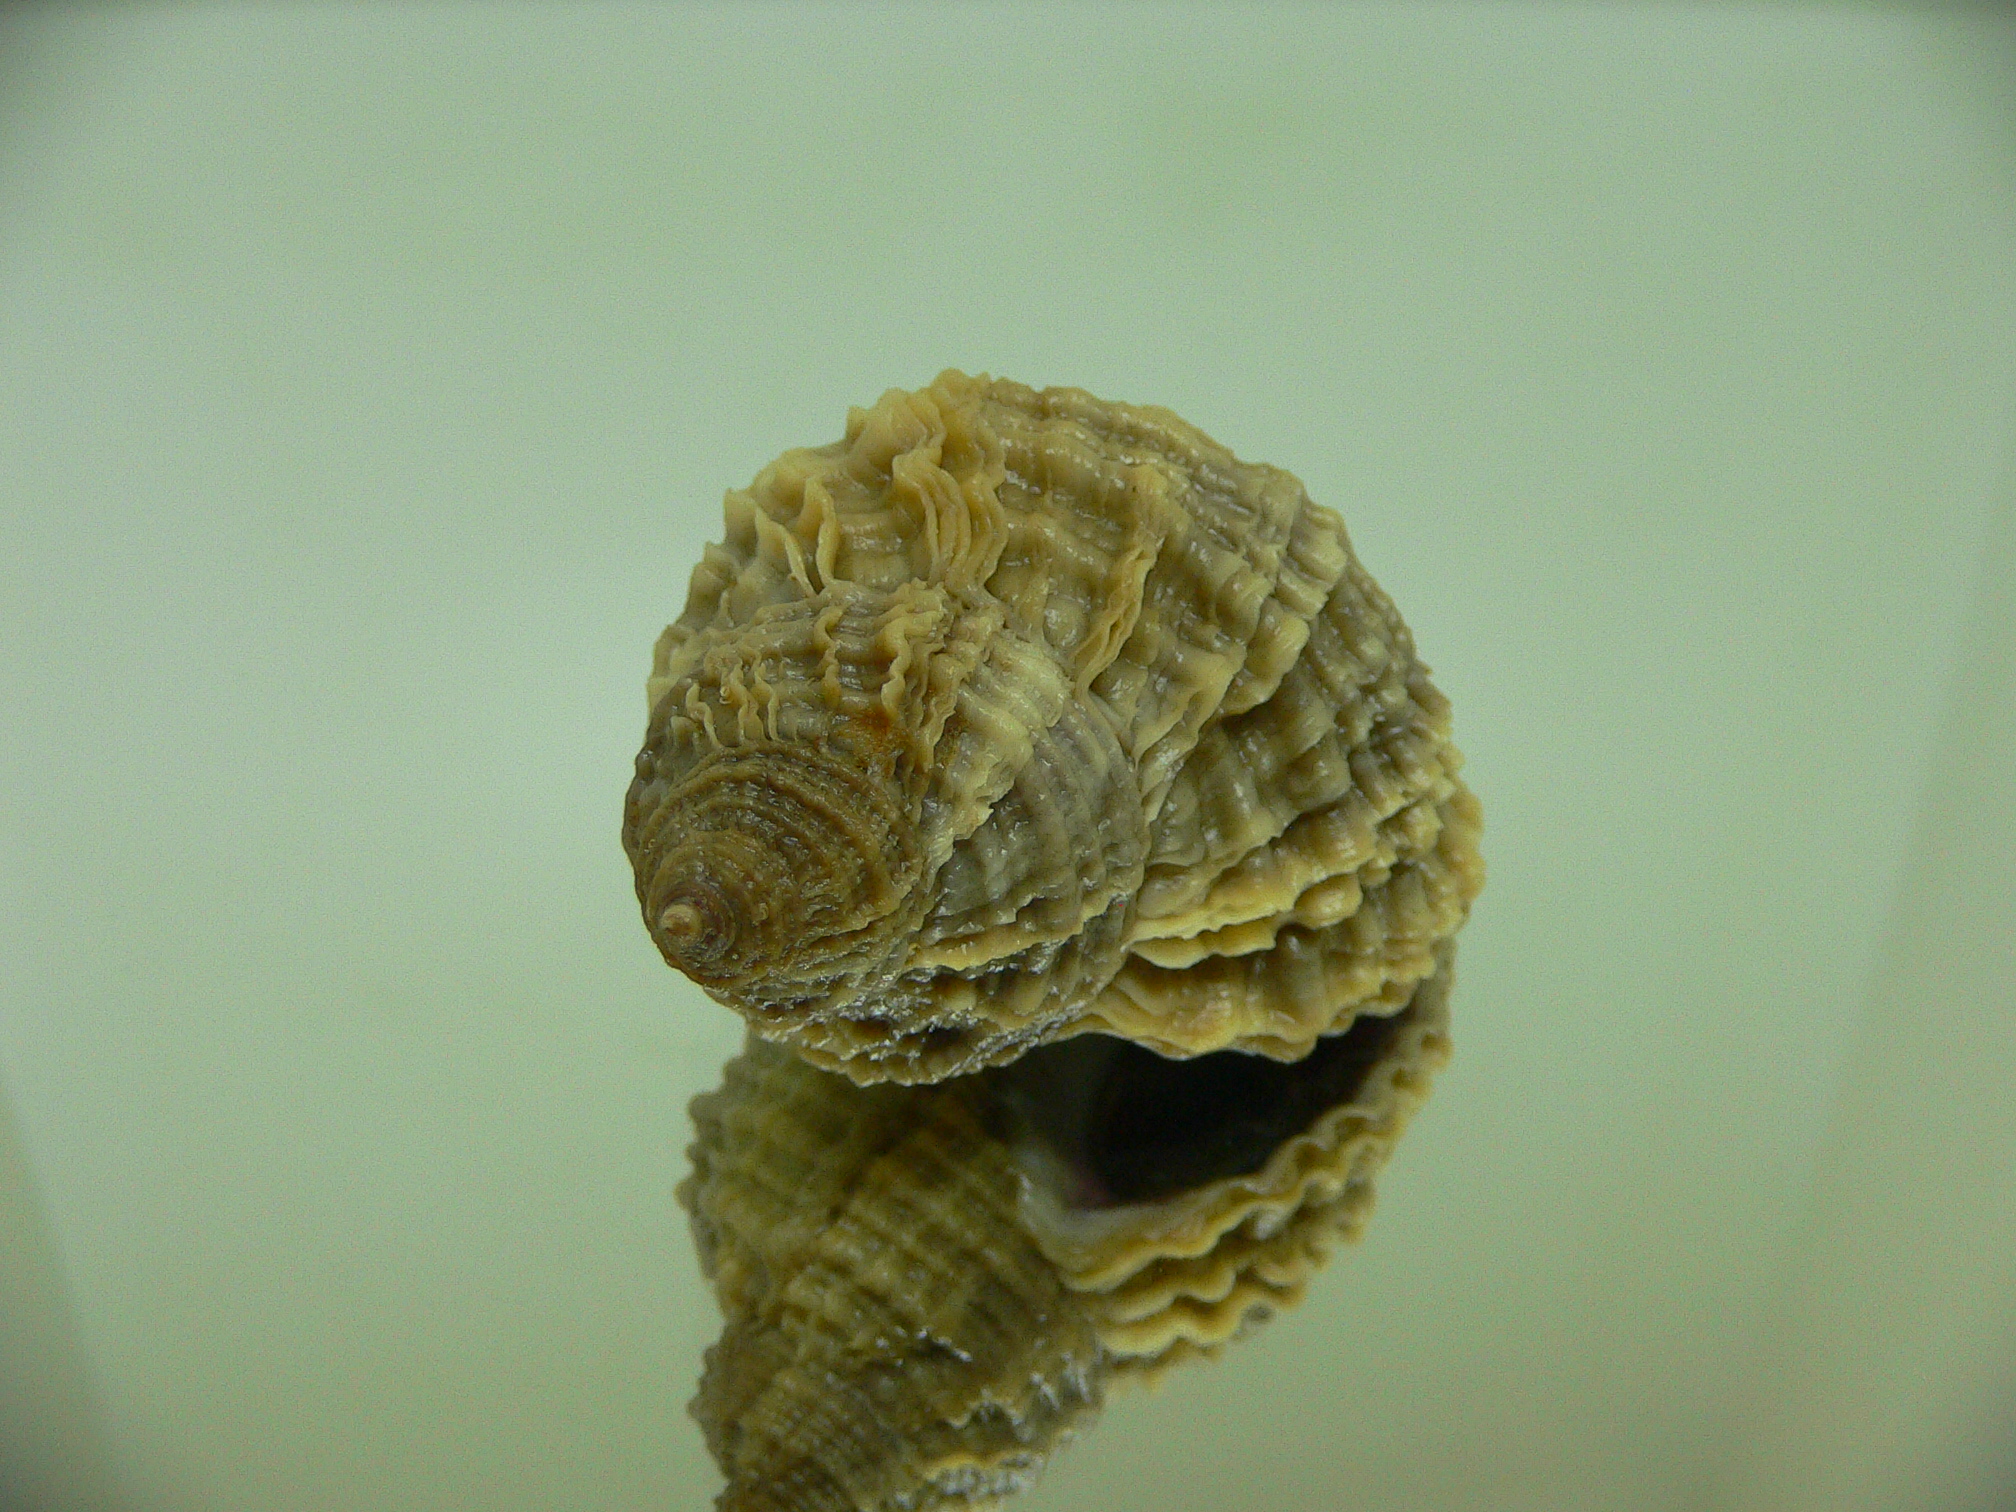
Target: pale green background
[{"x": 369, "y": 379}]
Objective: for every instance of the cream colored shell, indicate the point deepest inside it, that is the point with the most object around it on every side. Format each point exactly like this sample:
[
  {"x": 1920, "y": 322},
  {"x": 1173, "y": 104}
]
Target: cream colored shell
[
  {"x": 928, "y": 1289},
  {"x": 1018, "y": 715}
]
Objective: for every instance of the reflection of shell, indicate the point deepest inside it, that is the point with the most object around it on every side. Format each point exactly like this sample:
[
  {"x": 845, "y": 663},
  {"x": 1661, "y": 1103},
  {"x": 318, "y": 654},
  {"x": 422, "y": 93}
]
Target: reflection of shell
[
  {"x": 1018, "y": 715},
  {"x": 928, "y": 1288},
  {"x": 893, "y": 1339}
]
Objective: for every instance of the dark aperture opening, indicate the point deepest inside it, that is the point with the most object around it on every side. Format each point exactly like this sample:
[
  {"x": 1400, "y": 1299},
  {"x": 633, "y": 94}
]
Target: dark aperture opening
[{"x": 1135, "y": 1126}]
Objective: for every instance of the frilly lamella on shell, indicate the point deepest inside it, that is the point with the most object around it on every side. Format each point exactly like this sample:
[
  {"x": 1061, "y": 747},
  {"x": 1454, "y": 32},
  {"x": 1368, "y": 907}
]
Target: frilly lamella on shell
[{"x": 1067, "y": 813}]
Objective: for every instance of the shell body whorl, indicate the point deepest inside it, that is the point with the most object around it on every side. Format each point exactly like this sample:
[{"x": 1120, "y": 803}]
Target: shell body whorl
[{"x": 1018, "y": 715}]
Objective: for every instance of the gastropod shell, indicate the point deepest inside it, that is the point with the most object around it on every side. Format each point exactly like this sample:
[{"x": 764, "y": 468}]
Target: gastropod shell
[{"x": 1067, "y": 812}]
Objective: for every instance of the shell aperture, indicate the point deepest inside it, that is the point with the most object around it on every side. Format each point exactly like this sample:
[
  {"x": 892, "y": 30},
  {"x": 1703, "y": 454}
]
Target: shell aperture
[{"x": 1067, "y": 813}]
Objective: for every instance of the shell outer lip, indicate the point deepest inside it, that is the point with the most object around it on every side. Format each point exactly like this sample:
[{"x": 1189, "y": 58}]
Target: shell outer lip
[{"x": 1098, "y": 1249}]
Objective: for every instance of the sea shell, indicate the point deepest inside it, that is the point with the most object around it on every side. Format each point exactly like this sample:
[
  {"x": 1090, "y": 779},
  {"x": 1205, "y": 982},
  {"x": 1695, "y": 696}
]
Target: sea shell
[
  {"x": 1065, "y": 785},
  {"x": 1014, "y": 716},
  {"x": 929, "y": 1288}
]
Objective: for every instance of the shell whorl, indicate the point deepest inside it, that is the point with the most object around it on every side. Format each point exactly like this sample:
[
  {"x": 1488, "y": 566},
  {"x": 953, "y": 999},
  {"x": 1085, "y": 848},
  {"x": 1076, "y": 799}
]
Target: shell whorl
[
  {"x": 1016, "y": 715},
  {"x": 774, "y": 875}
]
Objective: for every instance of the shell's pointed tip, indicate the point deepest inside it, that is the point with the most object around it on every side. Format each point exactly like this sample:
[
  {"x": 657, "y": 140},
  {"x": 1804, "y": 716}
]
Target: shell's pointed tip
[
  {"x": 696, "y": 928},
  {"x": 680, "y": 925}
]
